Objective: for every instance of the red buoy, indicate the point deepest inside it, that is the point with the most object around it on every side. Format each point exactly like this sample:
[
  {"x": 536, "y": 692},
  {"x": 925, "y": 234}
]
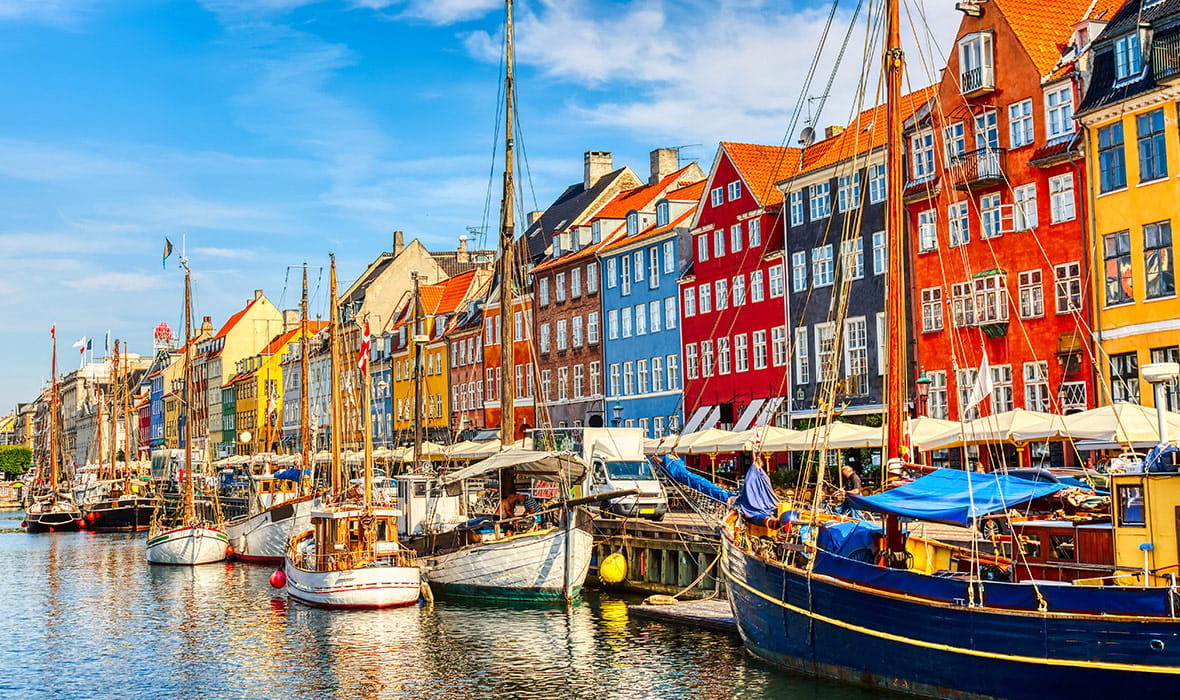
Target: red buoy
[
  {"x": 229, "y": 551},
  {"x": 81, "y": 523},
  {"x": 51, "y": 529},
  {"x": 278, "y": 579},
  {"x": 24, "y": 523}
]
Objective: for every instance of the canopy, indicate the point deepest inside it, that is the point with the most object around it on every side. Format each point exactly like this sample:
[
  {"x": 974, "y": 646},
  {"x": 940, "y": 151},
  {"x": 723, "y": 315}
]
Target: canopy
[
  {"x": 840, "y": 436},
  {"x": 706, "y": 441},
  {"x": 925, "y": 429},
  {"x": 1122, "y": 423},
  {"x": 955, "y": 497},
  {"x": 562, "y": 466},
  {"x": 470, "y": 449},
  {"x": 765, "y": 438},
  {"x": 1017, "y": 426}
]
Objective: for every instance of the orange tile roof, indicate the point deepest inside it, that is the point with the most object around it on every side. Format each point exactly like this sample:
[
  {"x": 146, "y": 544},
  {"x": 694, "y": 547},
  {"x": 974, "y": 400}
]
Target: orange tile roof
[
  {"x": 642, "y": 197},
  {"x": 762, "y": 166},
  {"x": 1042, "y": 27},
  {"x": 451, "y": 293},
  {"x": 282, "y": 339},
  {"x": 691, "y": 193},
  {"x": 233, "y": 320},
  {"x": 652, "y": 230}
]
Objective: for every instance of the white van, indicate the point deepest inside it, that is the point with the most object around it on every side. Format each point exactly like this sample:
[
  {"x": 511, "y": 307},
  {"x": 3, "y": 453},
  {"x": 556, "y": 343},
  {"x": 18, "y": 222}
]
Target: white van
[{"x": 617, "y": 463}]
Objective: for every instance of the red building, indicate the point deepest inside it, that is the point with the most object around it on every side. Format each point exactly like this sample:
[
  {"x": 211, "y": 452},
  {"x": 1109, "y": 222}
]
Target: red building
[
  {"x": 524, "y": 413},
  {"x": 732, "y": 300},
  {"x": 995, "y": 214},
  {"x": 465, "y": 336}
]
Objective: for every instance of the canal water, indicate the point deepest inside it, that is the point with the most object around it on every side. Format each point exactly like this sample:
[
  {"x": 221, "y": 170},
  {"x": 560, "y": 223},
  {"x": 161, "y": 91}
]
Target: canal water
[{"x": 85, "y": 616}]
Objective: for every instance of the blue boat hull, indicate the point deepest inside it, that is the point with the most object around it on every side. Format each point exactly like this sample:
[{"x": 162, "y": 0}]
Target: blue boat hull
[{"x": 822, "y": 626}]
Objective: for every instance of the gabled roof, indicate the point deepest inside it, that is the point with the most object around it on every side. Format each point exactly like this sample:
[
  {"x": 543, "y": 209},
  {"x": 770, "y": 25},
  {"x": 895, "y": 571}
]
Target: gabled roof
[
  {"x": 1164, "y": 18},
  {"x": 281, "y": 340},
  {"x": 690, "y": 193},
  {"x": 570, "y": 208},
  {"x": 652, "y": 231},
  {"x": 233, "y": 320},
  {"x": 1044, "y": 26},
  {"x": 762, "y": 166}
]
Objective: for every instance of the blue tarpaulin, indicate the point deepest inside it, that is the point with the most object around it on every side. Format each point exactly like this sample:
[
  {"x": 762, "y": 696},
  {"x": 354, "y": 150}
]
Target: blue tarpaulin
[
  {"x": 289, "y": 474},
  {"x": 955, "y": 497},
  {"x": 756, "y": 500},
  {"x": 848, "y": 537},
  {"x": 674, "y": 467}
]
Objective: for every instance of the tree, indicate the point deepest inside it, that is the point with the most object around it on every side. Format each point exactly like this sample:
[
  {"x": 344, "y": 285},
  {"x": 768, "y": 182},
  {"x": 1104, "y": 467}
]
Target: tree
[{"x": 15, "y": 459}]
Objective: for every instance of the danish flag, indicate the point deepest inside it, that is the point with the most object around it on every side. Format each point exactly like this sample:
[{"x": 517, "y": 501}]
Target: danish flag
[{"x": 362, "y": 362}]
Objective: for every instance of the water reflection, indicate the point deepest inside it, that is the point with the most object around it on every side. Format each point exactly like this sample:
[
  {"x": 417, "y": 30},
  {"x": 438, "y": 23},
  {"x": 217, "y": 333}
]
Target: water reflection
[{"x": 88, "y": 617}]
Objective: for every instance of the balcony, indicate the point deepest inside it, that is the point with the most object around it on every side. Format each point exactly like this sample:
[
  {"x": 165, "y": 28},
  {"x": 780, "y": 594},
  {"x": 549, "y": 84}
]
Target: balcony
[
  {"x": 977, "y": 81},
  {"x": 1165, "y": 58},
  {"x": 979, "y": 169}
]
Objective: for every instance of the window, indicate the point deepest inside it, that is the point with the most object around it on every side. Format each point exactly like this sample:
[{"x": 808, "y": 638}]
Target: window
[
  {"x": 879, "y": 322},
  {"x": 991, "y": 299},
  {"x": 735, "y": 238},
  {"x": 756, "y": 294},
  {"x": 625, "y": 275},
  {"x": 579, "y": 381},
  {"x": 852, "y": 258},
  {"x": 965, "y": 379},
  {"x": 690, "y": 360},
  {"x": 559, "y": 286},
  {"x": 595, "y": 378},
  {"x": 960, "y": 225},
  {"x": 592, "y": 278},
  {"x": 612, "y": 273},
  {"x": 848, "y": 192},
  {"x": 706, "y": 358},
  {"x": 543, "y": 290},
  {"x": 544, "y": 337},
  {"x": 723, "y": 356},
  {"x": 962, "y": 305},
  {"x": 625, "y": 314},
  {"x": 739, "y": 290},
  {"x": 755, "y": 230},
  {"x": 856, "y": 355},
  {"x": 1112, "y": 165},
  {"x": 1117, "y": 267},
  {"x": 628, "y": 378},
  {"x": 1036, "y": 387},
  {"x": 690, "y": 302},
  {"x": 563, "y": 382},
  {"x": 662, "y": 214},
  {"x": 989, "y": 214},
  {"x": 759, "y": 349},
  {"x": 1061, "y": 198},
  {"x": 1124, "y": 377},
  {"x": 936, "y": 406},
  {"x": 1032, "y": 294},
  {"x": 719, "y": 243},
  {"x": 640, "y": 319},
  {"x": 653, "y": 267},
  {"x": 1020, "y": 124},
  {"x": 1131, "y": 513},
  {"x": 880, "y": 253},
  {"x": 822, "y": 271},
  {"x": 821, "y": 201},
  {"x": 657, "y": 374},
  {"x": 1024, "y": 210},
  {"x": 931, "y": 309},
  {"x": 877, "y": 183},
  {"x": 632, "y": 223},
  {"x": 592, "y": 328},
  {"x": 825, "y": 349},
  {"x": 741, "y": 356},
  {"x": 638, "y": 267},
  {"x": 702, "y": 247},
  {"x": 1153, "y": 153},
  {"x": 799, "y": 271},
  {"x": 670, "y": 312},
  {"x": 802, "y": 357},
  {"x": 717, "y": 196},
  {"x": 612, "y": 324},
  {"x": 575, "y": 283},
  {"x": 1128, "y": 61},
  {"x": 797, "y": 208},
  {"x": 616, "y": 384},
  {"x": 987, "y": 132},
  {"x": 562, "y": 341},
  {"x": 927, "y": 230},
  {"x": 1171, "y": 394},
  {"x": 641, "y": 377},
  {"x": 954, "y": 140},
  {"x": 669, "y": 257},
  {"x": 1059, "y": 111},
  {"x": 705, "y": 297},
  {"x": 776, "y": 278},
  {"x": 673, "y": 369},
  {"x": 1068, "y": 286},
  {"x": 1157, "y": 260},
  {"x": 734, "y": 190},
  {"x": 653, "y": 309},
  {"x": 975, "y": 62},
  {"x": 722, "y": 297},
  {"x": 576, "y": 331},
  {"x": 922, "y": 154}
]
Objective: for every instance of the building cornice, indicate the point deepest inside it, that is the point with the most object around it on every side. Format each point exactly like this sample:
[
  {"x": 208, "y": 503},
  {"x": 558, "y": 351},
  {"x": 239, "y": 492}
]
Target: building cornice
[{"x": 1163, "y": 94}]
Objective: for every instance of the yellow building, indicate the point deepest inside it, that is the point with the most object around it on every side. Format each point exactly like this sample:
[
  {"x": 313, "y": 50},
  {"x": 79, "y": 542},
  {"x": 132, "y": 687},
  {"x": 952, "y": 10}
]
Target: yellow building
[
  {"x": 171, "y": 420},
  {"x": 1130, "y": 117}
]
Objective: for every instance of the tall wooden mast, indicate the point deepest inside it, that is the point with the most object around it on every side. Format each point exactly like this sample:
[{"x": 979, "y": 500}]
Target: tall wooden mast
[
  {"x": 53, "y": 428},
  {"x": 127, "y": 406},
  {"x": 190, "y": 510},
  {"x": 896, "y": 292},
  {"x": 114, "y": 406},
  {"x": 417, "y": 319},
  {"x": 507, "y": 264},
  {"x": 337, "y": 478},
  {"x": 304, "y": 403}
]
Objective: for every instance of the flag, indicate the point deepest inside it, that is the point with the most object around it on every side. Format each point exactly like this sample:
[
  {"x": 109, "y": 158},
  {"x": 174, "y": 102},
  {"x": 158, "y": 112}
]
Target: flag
[
  {"x": 107, "y": 347},
  {"x": 53, "y": 331},
  {"x": 362, "y": 362},
  {"x": 983, "y": 386},
  {"x": 80, "y": 344},
  {"x": 167, "y": 252}
]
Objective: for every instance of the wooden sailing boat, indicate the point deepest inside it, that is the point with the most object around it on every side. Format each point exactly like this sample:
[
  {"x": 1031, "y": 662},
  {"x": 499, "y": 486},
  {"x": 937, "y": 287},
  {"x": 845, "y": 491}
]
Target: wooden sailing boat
[
  {"x": 279, "y": 505},
  {"x": 194, "y": 539},
  {"x": 351, "y": 556},
  {"x": 543, "y": 555},
  {"x": 54, "y": 510}
]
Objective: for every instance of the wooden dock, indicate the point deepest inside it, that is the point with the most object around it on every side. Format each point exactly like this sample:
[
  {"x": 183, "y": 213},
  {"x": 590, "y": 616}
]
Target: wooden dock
[
  {"x": 711, "y": 614},
  {"x": 664, "y": 557}
]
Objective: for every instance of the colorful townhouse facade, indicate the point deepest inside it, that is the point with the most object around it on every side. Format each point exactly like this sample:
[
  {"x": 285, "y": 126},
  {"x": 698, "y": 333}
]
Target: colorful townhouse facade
[
  {"x": 465, "y": 335},
  {"x": 1130, "y": 117}
]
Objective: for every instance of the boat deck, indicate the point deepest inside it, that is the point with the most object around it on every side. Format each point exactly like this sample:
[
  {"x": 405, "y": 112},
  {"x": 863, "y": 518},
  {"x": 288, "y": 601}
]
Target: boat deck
[{"x": 711, "y": 614}]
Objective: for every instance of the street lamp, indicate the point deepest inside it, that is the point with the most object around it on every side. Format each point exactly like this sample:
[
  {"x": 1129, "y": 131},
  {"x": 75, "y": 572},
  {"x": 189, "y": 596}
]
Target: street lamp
[
  {"x": 617, "y": 411},
  {"x": 923, "y": 385}
]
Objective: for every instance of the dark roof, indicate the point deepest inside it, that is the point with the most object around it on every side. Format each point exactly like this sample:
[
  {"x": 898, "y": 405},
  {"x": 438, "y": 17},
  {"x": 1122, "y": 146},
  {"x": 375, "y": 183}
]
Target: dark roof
[
  {"x": 565, "y": 211},
  {"x": 448, "y": 260},
  {"x": 1164, "y": 18}
]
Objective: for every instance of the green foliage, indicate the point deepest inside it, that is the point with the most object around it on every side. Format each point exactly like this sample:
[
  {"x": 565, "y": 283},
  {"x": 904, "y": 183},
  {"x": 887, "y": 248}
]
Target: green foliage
[{"x": 15, "y": 459}]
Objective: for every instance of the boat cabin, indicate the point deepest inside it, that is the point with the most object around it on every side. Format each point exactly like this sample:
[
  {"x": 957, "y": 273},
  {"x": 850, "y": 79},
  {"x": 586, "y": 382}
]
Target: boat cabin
[
  {"x": 424, "y": 504},
  {"x": 1061, "y": 550},
  {"x": 339, "y": 544},
  {"x": 1146, "y": 507}
]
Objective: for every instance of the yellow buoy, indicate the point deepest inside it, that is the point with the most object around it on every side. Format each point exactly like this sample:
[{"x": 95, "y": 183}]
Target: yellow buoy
[{"x": 613, "y": 569}]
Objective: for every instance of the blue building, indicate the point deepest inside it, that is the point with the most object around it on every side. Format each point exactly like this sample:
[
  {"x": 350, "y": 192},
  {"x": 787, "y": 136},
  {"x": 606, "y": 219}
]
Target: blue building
[{"x": 641, "y": 346}]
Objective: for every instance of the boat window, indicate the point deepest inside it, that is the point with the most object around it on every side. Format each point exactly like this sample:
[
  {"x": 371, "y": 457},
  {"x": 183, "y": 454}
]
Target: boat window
[
  {"x": 1061, "y": 547},
  {"x": 1031, "y": 546},
  {"x": 1131, "y": 505},
  {"x": 637, "y": 469}
]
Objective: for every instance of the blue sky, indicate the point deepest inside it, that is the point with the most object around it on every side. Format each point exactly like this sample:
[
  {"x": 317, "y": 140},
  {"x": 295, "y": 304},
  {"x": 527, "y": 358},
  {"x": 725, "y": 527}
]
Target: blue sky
[{"x": 270, "y": 132}]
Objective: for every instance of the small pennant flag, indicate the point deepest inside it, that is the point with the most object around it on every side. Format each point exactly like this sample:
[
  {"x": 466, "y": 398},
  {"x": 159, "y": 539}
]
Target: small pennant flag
[
  {"x": 53, "y": 331},
  {"x": 167, "y": 252},
  {"x": 107, "y": 347},
  {"x": 80, "y": 344},
  {"x": 362, "y": 362}
]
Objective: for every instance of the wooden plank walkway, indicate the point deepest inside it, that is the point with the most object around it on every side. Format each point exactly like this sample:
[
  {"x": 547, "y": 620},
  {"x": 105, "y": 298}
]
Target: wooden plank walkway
[{"x": 709, "y": 614}]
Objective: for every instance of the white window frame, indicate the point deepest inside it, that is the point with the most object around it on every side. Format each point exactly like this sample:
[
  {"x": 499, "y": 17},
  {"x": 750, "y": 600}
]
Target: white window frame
[
  {"x": 1062, "y": 200},
  {"x": 1020, "y": 123}
]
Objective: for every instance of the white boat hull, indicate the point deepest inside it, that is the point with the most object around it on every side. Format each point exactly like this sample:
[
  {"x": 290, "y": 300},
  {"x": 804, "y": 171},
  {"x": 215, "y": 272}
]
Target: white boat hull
[
  {"x": 531, "y": 566},
  {"x": 187, "y": 546},
  {"x": 366, "y": 587},
  {"x": 263, "y": 537}
]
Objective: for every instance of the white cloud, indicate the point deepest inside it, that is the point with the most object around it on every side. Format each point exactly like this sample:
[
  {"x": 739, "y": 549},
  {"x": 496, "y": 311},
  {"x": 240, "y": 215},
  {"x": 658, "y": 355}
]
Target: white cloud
[
  {"x": 116, "y": 281},
  {"x": 64, "y": 14},
  {"x": 439, "y": 12}
]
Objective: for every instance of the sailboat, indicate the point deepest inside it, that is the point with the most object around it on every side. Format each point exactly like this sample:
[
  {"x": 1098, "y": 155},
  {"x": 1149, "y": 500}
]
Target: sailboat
[
  {"x": 351, "y": 557},
  {"x": 53, "y": 510},
  {"x": 543, "y": 555},
  {"x": 194, "y": 539},
  {"x": 947, "y": 628},
  {"x": 279, "y": 506}
]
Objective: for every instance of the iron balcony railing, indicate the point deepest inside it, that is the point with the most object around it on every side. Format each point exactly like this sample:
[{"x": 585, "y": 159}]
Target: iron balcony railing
[
  {"x": 979, "y": 168},
  {"x": 974, "y": 79},
  {"x": 1165, "y": 57}
]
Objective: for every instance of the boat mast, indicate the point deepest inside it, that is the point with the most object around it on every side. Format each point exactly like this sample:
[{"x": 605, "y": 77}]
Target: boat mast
[
  {"x": 114, "y": 406},
  {"x": 98, "y": 425},
  {"x": 896, "y": 293},
  {"x": 190, "y": 511},
  {"x": 127, "y": 422},
  {"x": 368, "y": 525},
  {"x": 334, "y": 350},
  {"x": 53, "y": 456},
  {"x": 417, "y": 319},
  {"x": 304, "y": 416},
  {"x": 507, "y": 265}
]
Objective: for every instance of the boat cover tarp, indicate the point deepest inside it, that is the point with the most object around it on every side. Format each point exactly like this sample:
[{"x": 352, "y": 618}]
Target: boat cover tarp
[
  {"x": 847, "y": 537},
  {"x": 955, "y": 497},
  {"x": 563, "y": 467},
  {"x": 289, "y": 474},
  {"x": 1159, "y": 459},
  {"x": 675, "y": 468},
  {"x": 756, "y": 500}
]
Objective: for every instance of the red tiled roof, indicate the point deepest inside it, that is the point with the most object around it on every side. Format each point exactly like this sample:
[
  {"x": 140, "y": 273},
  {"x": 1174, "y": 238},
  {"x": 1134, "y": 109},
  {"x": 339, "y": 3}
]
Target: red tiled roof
[
  {"x": 865, "y": 133},
  {"x": 642, "y": 197},
  {"x": 691, "y": 193},
  {"x": 762, "y": 166},
  {"x": 1042, "y": 27},
  {"x": 280, "y": 341},
  {"x": 653, "y": 230},
  {"x": 233, "y": 320}
]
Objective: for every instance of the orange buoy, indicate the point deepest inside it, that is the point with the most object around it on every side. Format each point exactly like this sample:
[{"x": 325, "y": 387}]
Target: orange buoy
[
  {"x": 81, "y": 523},
  {"x": 229, "y": 551},
  {"x": 278, "y": 579}
]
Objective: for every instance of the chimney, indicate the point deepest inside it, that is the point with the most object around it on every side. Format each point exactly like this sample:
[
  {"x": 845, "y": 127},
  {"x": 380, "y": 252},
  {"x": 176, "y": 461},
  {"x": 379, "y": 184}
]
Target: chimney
[
  {"x": 399, "y": 243},
  {"x": 664, "y": 162},
  {"x": 598, "y": 163},
  {"x": 833, "y": 131},
  {"x": 533, "y": 216},
  {"x": 206, "y": 325},
  {"x": 257, "y": 294},
  {"x": 461, "y": 257},
  {"x": 290, "y": 319}
]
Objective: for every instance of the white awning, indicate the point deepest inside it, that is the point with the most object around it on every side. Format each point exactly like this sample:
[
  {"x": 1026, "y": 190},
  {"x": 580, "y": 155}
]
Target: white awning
[
  {"x": 748, "y": 415},
  {"x": 768, "y": 410},
  {"x": 703, "y": 418}
]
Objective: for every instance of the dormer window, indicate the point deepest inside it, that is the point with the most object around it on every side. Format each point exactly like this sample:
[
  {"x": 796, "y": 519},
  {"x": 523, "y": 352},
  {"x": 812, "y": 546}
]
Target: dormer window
[
  {"x": 976, "y": 66},
  {"x": 662, "y": 213},
  {"x": 632, "y": 223},
  {"x": 1128, "y": 59},
  {"x": 557, "y": 244},
  {"x": 596, "y": 231}
]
